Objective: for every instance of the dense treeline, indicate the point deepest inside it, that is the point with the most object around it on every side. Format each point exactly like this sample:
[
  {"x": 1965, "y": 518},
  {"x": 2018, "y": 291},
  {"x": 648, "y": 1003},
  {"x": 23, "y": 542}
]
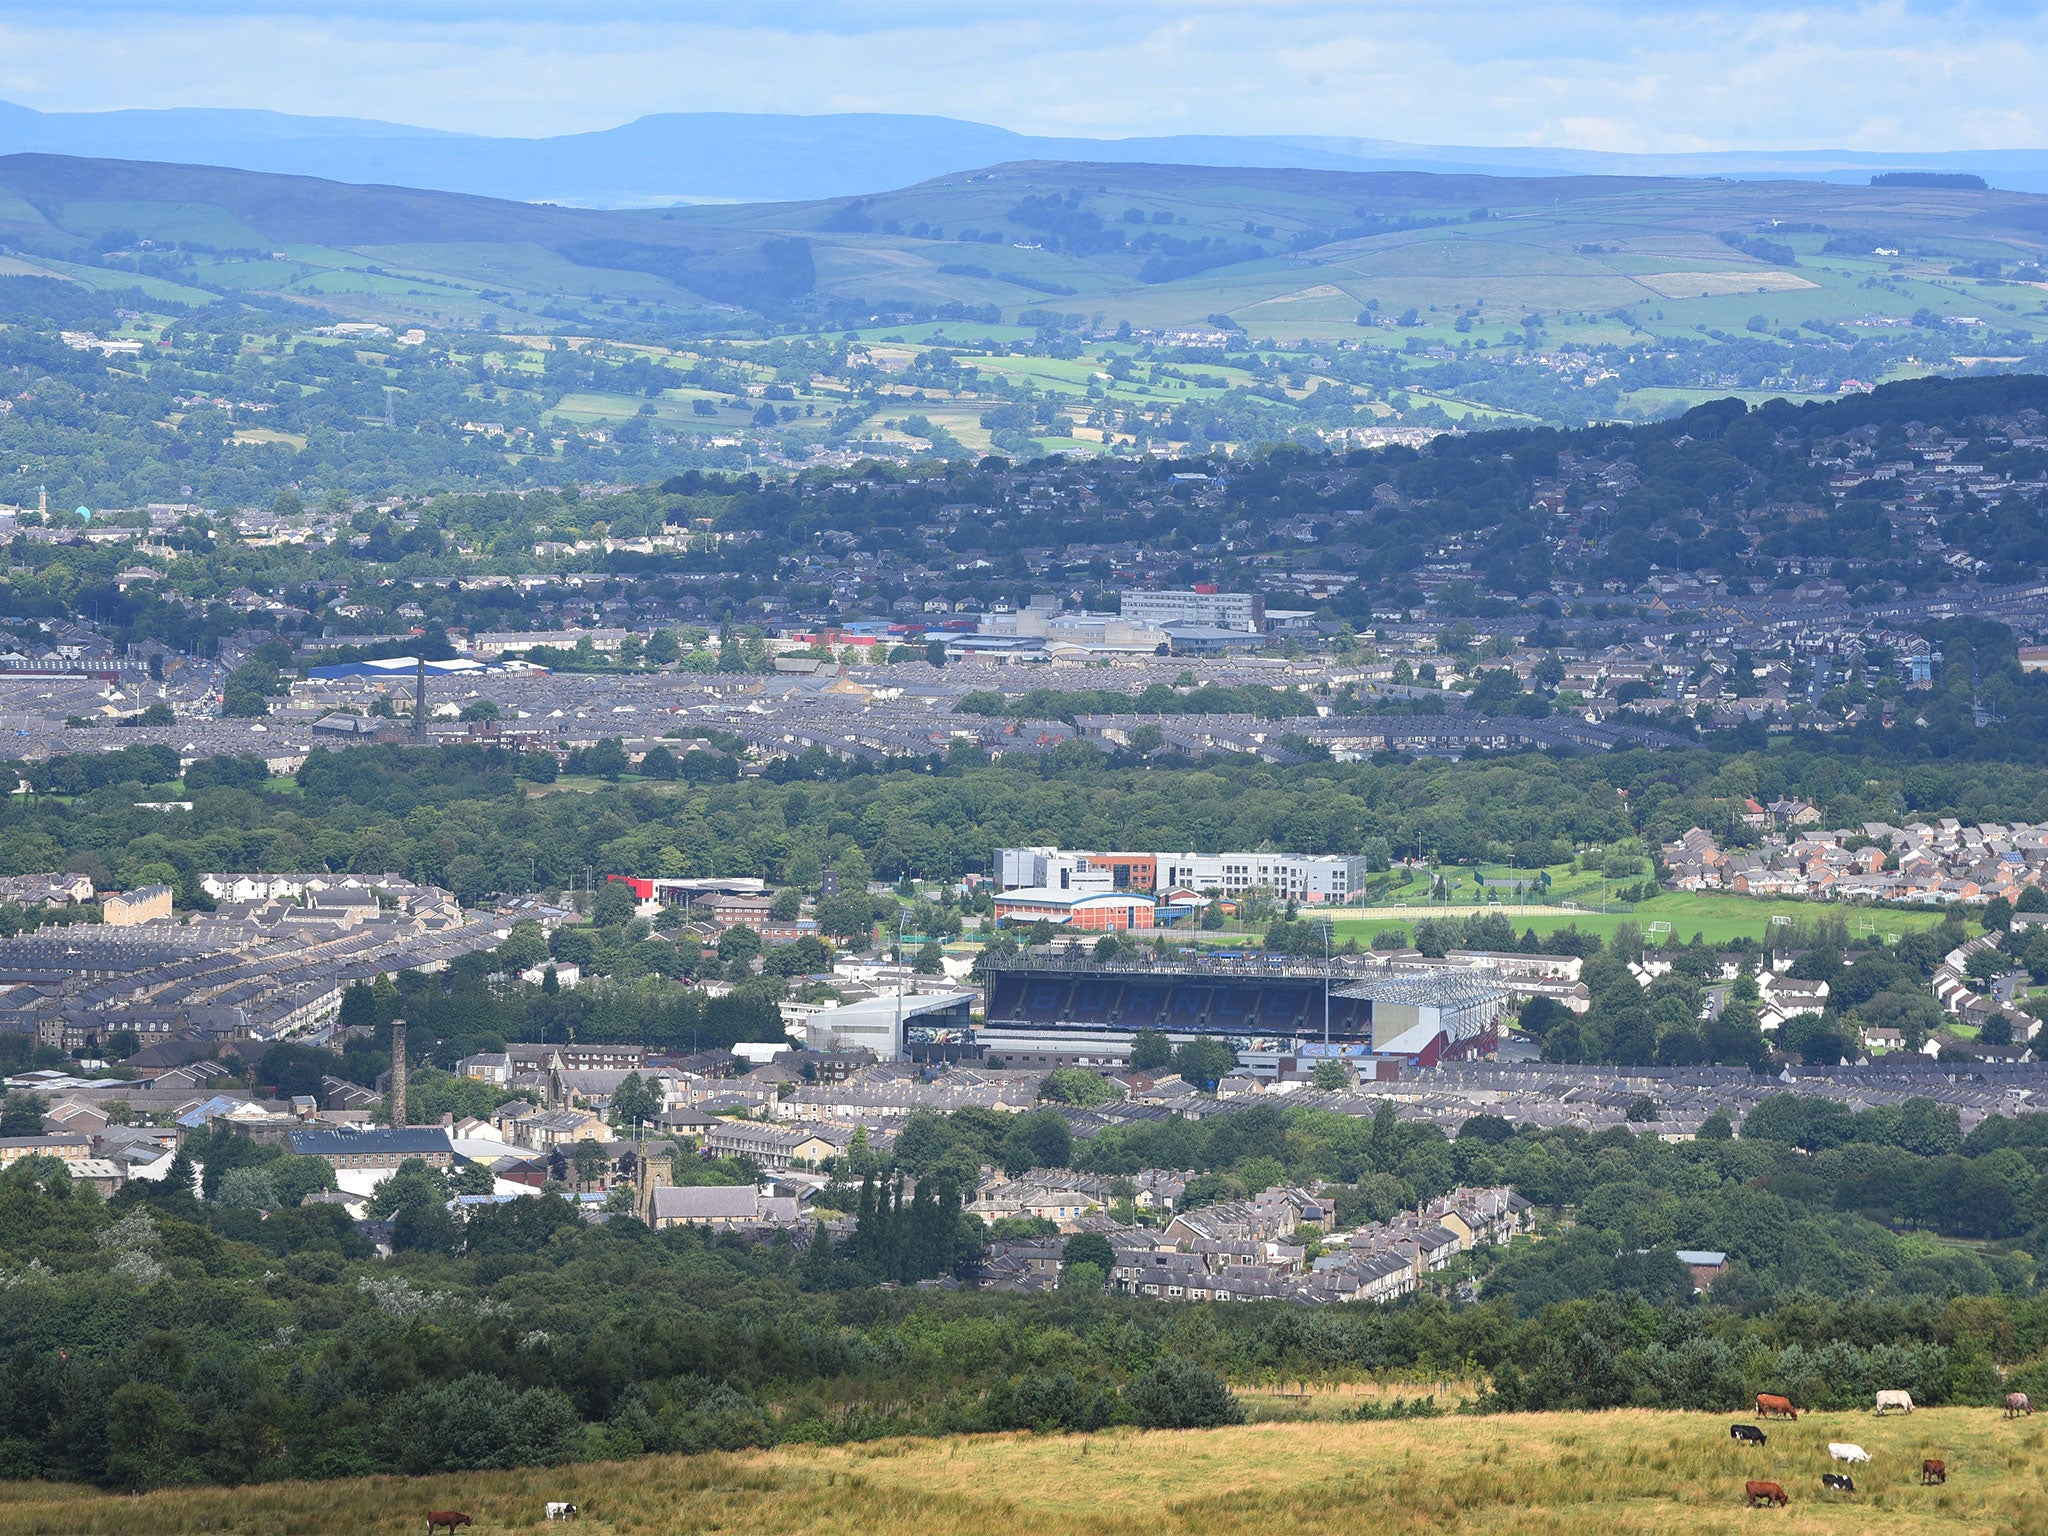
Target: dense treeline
[
  {"x": 462, "y": 816},
  {"x": 164, "y": 1337}
]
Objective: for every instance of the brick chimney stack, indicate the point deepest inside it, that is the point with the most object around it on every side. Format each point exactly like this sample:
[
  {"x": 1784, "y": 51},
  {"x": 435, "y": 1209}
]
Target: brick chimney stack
[{"x": 398, "y": 1072}]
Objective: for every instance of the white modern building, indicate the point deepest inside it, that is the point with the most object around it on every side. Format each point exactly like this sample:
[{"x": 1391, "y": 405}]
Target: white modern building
[
  {"x": 1221, "y": 610},
  {"x": 1300, "y": 877},
  {"x": 1303, "y": 877}
]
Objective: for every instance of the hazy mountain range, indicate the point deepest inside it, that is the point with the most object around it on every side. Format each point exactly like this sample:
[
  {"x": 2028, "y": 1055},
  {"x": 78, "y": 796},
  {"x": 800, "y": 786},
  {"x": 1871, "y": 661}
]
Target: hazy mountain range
[{"x": 720, "y": 156}]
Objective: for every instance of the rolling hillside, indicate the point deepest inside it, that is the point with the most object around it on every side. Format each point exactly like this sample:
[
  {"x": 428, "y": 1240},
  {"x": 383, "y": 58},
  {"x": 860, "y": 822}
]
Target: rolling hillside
[
  {"x": 1283, "y": 253},
  {"x": 1622, "y": 1473}
]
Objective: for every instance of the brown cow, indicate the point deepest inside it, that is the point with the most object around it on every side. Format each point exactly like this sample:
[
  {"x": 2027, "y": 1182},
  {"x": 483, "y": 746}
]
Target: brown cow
[
  {"x": 1933, "y": 1471},
  {"x": 1771, "y": 1406},
  {"x": 448, "y": 1517},
  {"x": 2016, "y": 1404},
  {"x": 1763, "y": 1493}
]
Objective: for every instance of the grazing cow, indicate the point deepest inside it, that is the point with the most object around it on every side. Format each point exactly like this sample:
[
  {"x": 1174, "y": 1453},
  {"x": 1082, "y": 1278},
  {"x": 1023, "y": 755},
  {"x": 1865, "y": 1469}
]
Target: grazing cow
[
  {"x": 1763, "y": 1493},
  {"x": 2016, "y": 1404},
  {"x": 1839, "y": 1482},
  {"x": 1932, "y": 1471},
  {"x": 1748, "y": 1434},
  {"x": 448, "y": 1517},
  {"x": 1771, "y": 1406},
  {"x": 1887, "y": 1401},
  {"x": 563, "y": 1512},
  {"x": 1842, "y": 1452}
]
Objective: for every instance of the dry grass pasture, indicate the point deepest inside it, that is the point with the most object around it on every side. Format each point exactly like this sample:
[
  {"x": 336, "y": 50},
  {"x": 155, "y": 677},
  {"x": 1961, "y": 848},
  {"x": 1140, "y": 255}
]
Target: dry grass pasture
[{"x": 1628, "y": 1473}]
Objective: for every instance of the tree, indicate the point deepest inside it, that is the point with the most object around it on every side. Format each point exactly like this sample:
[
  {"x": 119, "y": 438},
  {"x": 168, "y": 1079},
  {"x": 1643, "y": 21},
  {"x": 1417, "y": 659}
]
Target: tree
[
  {"x": 1179, "y": 1394},
  {"x": 414, "y": 1183},
  {"x": 1150, "y": 1050},
  {"x": 739, "y": 944},
  {"x": 147, "y": 1431},
  {"x": 1204, "y": 1060},
  {"x": 807, "y": 956},
  {"x": 660, "y": 763},
  {"x": 1330, "y": 1076},
  {"x": 21, "y": 1114},
  {"x": 294, "y": 1178},
  {"x": 247, "y": 1189},
  {"x": 935, "y": 653},
  {"x": 613, "y": 904},
  {"x": 473, "y": 1179},
  {"x": 607, "y": 760},
  {"x": 358, "y": 1006},
  {"x": 633, "y": 1101},
  {"x": 1089, "y": 1248},
  {"x": 930, "y": 959},
  {"x": 1986, "y": 965},
  {"x": 1040, "y": 1139},
  {"x": 1540, "y": 1014},
  {"x": 850, "y": 918},
  {"x": 1074, "y": 1085},
  {"x": 590, "y": 1159},
  {"x": 1084, "y": 1279}
]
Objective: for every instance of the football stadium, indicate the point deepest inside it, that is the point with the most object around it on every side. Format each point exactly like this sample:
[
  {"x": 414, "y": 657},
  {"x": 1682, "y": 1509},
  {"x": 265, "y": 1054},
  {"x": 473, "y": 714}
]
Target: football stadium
[{"x": 1278, "y": 1016}]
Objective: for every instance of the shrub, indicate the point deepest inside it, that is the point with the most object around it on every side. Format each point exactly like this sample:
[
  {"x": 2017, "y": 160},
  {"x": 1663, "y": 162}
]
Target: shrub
[{"x": 1179, "y": 1394}]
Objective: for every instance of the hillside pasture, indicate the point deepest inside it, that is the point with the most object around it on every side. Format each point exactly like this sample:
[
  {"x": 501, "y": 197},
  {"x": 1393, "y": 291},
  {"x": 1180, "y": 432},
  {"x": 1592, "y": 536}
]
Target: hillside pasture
[{"x": 1624, "y": 1473}]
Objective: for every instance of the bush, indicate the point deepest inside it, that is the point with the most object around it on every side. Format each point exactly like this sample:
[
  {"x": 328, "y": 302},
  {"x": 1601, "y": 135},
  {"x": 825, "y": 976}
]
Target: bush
[
  {"x": 1179, "y": 1394},
  {"x": 479, "y": 1421}
]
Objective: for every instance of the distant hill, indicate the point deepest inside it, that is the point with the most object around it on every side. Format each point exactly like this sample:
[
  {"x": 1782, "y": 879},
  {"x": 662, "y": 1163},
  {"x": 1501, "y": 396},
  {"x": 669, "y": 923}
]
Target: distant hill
[
  {"x": 725, "y": 157},
  {"x": 1277, "y": 251}
]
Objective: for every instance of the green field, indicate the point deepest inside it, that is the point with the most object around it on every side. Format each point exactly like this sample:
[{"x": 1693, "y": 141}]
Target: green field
[
  {"x": 1621, "y": 1473},
  {"x": 1716, "y": 918}
]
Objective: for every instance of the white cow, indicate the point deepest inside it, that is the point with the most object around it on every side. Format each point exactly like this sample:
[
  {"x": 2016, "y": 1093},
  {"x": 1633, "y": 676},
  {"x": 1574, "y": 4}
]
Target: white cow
[
  {"x": 1841, "y": 1452},
  {"x": 562, "y": 1511},
  {"x": 1887, "y": 1401}
]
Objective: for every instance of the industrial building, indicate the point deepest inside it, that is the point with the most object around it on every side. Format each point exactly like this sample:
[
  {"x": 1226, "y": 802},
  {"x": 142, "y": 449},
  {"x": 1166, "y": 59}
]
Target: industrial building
[{"x": 925, "y": 1026}]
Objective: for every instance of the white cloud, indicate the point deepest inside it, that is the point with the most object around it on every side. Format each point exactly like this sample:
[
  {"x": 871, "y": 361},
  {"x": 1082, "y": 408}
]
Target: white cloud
[{"x": 1591, "y": 73}]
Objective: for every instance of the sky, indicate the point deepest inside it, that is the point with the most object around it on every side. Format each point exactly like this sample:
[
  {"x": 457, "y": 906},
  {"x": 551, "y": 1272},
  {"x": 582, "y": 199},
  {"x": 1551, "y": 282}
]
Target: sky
[{"x": 1646, "y": 76}]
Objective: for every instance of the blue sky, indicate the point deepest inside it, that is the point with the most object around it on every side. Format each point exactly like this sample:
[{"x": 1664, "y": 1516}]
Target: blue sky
[{"x": 1594, "y": 74}]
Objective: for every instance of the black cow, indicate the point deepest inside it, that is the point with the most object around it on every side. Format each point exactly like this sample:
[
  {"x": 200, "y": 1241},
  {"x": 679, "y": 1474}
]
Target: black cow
[
  {"x": 1840, "y": 1482},
  {"x": 1748, "y": 1434}
]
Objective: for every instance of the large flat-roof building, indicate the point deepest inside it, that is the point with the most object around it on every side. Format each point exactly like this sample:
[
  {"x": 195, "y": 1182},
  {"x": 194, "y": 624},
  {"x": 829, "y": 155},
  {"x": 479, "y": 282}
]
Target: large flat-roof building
[
  {"x": 1241, "y": 611},
  {"x": 924, "y": 1025},
  {"x": 375, "y": 1148},
  {"x": 1301, "y": 877},
  {"x": 1093, "y": 910}
]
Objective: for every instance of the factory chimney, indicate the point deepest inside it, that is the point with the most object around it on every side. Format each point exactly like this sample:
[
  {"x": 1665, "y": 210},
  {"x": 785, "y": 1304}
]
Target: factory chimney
[{"x": 398, "y": 1072}]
